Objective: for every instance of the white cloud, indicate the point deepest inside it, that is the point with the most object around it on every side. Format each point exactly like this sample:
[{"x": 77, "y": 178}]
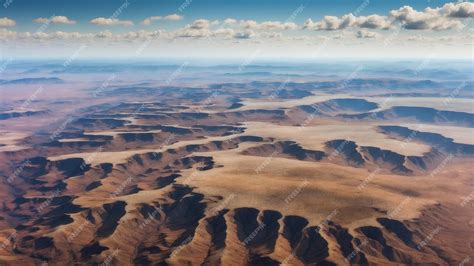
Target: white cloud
[
  {"x": 331, "y": 23},
  {"x": 448, "y": 16},
  {"x": 366, "y": 34},
  {"x": 267, "y": 25},
  {"x": 67, "y": 35},
  {"x": 248, "y": 24},
  {"x": 230, "y": 21},
  {"x": 246, "y": 34},
  {"x": 441, "y": 18},
  {"x": 7, "y": 34},
  {"x": 41, "y": 20},
  {"x": 202, "y": 28},
  {"x": 104, "y": 34},
  {"x": 149, "y": 20},
  {"x": 197, "y": 29},
  {"x": 374, "y": 22},
  {"x": 459, "y": 10},
  {"x": 348, "y": 20},
  {"x": 199, "y": 24},
  {"x": 6, "y": 22},
  {"x": 40, "y": 35},
  {"x": 141, "y": 34},
  {"x": 55, "y": 20},
  {"x": 194, "y": 33},
  {"x": 224, "y": 33},
  {"x": 429, "y": 19},
  {"x": 111, "y": 22},
  {"x": 277, "y": 25},
  {"x": 57, "y": 35},
  {"x": 172, "y": 17}
]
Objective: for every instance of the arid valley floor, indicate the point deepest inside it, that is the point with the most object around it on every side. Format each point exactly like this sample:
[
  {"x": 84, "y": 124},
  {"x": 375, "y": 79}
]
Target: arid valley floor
[{"x": 236, "y": 165}]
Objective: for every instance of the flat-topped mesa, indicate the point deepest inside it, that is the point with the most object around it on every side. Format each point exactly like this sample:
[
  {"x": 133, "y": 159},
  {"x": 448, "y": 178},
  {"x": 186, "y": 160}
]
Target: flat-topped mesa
[
  {"x": 338, "y": 106},
  {"x": 436, "y": 140},
  {"x": 416, "y": 114}
]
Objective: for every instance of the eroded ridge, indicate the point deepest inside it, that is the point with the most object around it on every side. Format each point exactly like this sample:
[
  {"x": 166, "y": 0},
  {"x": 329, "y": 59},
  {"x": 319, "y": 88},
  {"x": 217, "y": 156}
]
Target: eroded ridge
[{"x": 244, "y": 176}]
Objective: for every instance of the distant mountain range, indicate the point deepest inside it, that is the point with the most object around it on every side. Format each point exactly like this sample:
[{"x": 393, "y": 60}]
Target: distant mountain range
[{"x": 52, "y": 80}]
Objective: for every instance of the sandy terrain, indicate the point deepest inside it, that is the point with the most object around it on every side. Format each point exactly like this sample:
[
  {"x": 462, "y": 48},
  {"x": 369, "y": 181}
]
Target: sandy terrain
[
  {"x": 219, "y": 185},
  {"x": 95, "y": 158},
  {"x": 268, "y": 182},
  {"x": 440, "y": 103},
  {"x": 9, "y": 140},
  {"x": 250, "y": 104},
  {"x": 459, "y": 134},
  {"x": 314, "y": 137}
]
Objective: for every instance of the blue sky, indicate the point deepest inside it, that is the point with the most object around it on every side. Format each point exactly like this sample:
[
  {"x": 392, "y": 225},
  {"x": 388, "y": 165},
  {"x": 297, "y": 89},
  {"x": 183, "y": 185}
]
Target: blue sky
[
  {"x": 24, "y": 11},
  {"x": 285, "y": 28}
]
